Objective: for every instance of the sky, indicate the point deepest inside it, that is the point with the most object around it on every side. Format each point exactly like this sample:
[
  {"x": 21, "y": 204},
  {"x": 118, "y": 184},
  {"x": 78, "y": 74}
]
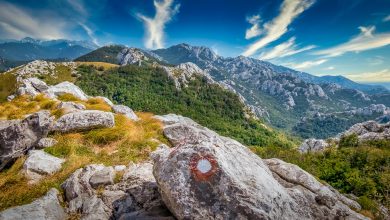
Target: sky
[{"x": 321, "y": 37}]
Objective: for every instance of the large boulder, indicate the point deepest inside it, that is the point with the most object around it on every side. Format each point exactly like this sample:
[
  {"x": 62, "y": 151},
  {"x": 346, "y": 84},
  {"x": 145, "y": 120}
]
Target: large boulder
[
  {"x": 17, "y": 137},
  {"x": 128, "y": 112},
  {"x": 207, "y": 176},
  {"x": 135, "y": 196},
  {"x": 40, "y": 163},
  {"x": 31, "y": 86},
  {"x": 66, "y": 88},
  {"x": 313, "y": 145},
  {"x": 84, "y": 120},
  {"x": 47, "y": 207}
]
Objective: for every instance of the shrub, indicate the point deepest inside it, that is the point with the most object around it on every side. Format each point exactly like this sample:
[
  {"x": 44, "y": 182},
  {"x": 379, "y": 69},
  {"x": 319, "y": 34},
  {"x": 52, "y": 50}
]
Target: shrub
[{"x": 349, "y": 141}]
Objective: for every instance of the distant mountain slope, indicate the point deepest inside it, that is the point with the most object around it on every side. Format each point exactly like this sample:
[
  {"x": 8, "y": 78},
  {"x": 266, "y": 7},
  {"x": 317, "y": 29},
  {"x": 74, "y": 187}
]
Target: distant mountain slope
[
  {"x": 27, "y": 49},
  {"x": 281, "y": 96},
  {"x": 106, "y": 54}
]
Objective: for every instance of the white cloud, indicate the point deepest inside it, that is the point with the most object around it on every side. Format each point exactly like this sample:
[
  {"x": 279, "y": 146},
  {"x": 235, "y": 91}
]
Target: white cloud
[
  {"x": 18, "y": 23},
  {"x": 285, "y": 49},
  {"x": 366, "y": 40},
  {"x": 330, "y": 68},
  {"x": 90, "y": 33},
  {"x": 274, "y": 29},
  {"x": 305, "y": 65},
  {"x": 254, "y": 31},
  {"x": 78, "y": 5},
  {"x": 155, "y": 26},
  {"x": 378, "y": 76},
  {"x": 387, "y": 18}
]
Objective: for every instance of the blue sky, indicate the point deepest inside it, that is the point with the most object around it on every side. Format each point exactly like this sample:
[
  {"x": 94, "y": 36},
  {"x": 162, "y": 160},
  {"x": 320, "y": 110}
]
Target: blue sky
[{"x": 322, "y": 37}]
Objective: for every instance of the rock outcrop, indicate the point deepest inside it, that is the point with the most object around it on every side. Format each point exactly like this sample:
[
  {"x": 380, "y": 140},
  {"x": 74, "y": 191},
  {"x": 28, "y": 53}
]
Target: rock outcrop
[
  {"x": 21, "y": 135},
  {"x": 84, "y": 120},
  {"x": 124, "y": 110},
  {"x": 369, "y": 130},
  {"x": 135, "y": 196},
  {"x": 66, "y": 88},
  {"x": 313, "y": 145},
  {"x": 207, "y": 176},
  {"x": 46, "y": 208}
]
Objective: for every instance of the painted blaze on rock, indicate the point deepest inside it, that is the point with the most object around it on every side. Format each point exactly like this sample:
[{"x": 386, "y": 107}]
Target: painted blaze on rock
[{"x": 203, "y": 167}]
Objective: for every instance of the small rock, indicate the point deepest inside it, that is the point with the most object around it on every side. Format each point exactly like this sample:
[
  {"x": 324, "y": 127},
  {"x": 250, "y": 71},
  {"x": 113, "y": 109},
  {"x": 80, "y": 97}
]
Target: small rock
[
  {"x": 122, "y": 109},
  {"x": 106, "y": 100},
  {"x": 47, "y": 207},
  {"x": 84, "y": 120},
  {"x": 46, "y": 142},
  {"x": 119, "y": 168},
  {"x": 102, "y": 177}
]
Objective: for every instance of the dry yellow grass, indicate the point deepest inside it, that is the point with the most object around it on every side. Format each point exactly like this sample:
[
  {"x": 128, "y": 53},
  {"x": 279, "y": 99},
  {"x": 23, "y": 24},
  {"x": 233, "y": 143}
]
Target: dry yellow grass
[
  {"x": 103, "y": 65},
  {"x": 127, "y": 141}
]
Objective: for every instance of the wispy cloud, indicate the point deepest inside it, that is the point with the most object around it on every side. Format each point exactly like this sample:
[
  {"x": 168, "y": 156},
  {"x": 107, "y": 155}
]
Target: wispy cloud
[
  {"x": 274, "y": 29},
  {"x": 165, "y": 10},
  {"x": 285, "y": 49},
  {"x": 305, "y": 65},
  {"x": 253, "y": 31},
  {"x": 366, "y": 40},
  {"x": 90, "y": 33},
  {"x": 16, "y": 22},
  {"x": 376, "y": 76},
  {"x": 387, "y": 18},
  {"x": 78, "y": 5}
]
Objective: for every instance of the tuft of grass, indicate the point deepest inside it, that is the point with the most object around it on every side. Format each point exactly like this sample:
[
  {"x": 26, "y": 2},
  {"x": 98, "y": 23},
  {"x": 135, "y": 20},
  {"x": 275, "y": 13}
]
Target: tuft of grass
[
  {"x": 97, "y": 104},
  {"x": 8, "y": 85},
  {"x": 67, "y": 97}
]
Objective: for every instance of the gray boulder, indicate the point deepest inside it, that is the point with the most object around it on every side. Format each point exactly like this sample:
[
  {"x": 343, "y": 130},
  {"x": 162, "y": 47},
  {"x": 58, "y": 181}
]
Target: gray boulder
[
  {"x": 313, "y": 145},
  {"x": 84, "y": 120},
  {"x": 66, "y": 88},
  {"x": 69, "y": 107},
  {"x": 47, "y": 207},
  {"x": 17, "y": 137},
  {"x": 31, "y": 86},
  {"x": 40, "y": 163},
  {"x": 207, "y": 176},
  {"x": 122, "y": 109}
]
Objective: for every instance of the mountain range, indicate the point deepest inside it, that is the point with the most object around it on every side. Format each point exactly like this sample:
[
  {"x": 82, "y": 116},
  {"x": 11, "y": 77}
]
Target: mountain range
[{"x": 16, "y": 52}]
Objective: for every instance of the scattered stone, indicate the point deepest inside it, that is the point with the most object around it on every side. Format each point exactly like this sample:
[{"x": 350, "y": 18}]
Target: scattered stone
[
  {"x": 19, "y": 136},
  {"x": 119, "y": 168},
  {"x": 39, "y": 163},
  {"x": 47, "y": 207},
  {"x": 84, "y": 120},
  {"x": 122, "y": 109},
  {"x": 313, "y": 145},
  {"x": 207, "y": 176},
  {"x": 46, "y": 142},
  {"x": 69, "y": 107}
]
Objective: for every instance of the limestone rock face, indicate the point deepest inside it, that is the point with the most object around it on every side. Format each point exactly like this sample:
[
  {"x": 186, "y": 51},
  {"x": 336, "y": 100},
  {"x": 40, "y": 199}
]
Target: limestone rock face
[
  {"x": 313, "y": 145},
  {"x": 32, "y": 87},
  {"x": 66, "y": 87},
  {"x": 122, "y": 109},
  {"x": 47, "y": 207},
  {"x": 369, "y": 130},
  {"x": 39, "y": 163},
  {"x": 102, "y": 177},
  {"x": 17, "y": 137},
  {"x": 84, "y": 120},
  {"x": 135, "y": 196},
  {"x": 207, "y": 176}
]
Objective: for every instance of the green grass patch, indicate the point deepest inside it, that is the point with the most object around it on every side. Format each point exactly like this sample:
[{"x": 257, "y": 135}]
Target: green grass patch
[{"x": 8, "y": 85}]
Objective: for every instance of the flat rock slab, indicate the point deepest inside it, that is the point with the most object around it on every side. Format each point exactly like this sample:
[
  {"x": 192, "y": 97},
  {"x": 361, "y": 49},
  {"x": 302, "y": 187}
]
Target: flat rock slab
[
  {"x": 84, "y": 120},
  {"x": 66, "y": 88},
  {"x": 102, "y": 177},
  {"x": 39, "y": 163},
  {"x": 47, "y": 207}
]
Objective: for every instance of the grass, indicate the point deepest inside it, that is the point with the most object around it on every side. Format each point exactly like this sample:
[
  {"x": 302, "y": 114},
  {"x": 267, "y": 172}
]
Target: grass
[
  {"x": 127, "y": 141},
  {"x": 8, "y": 85},
  {"x": 61, "y": 73},
  {"x": 99, "y": 65}
]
